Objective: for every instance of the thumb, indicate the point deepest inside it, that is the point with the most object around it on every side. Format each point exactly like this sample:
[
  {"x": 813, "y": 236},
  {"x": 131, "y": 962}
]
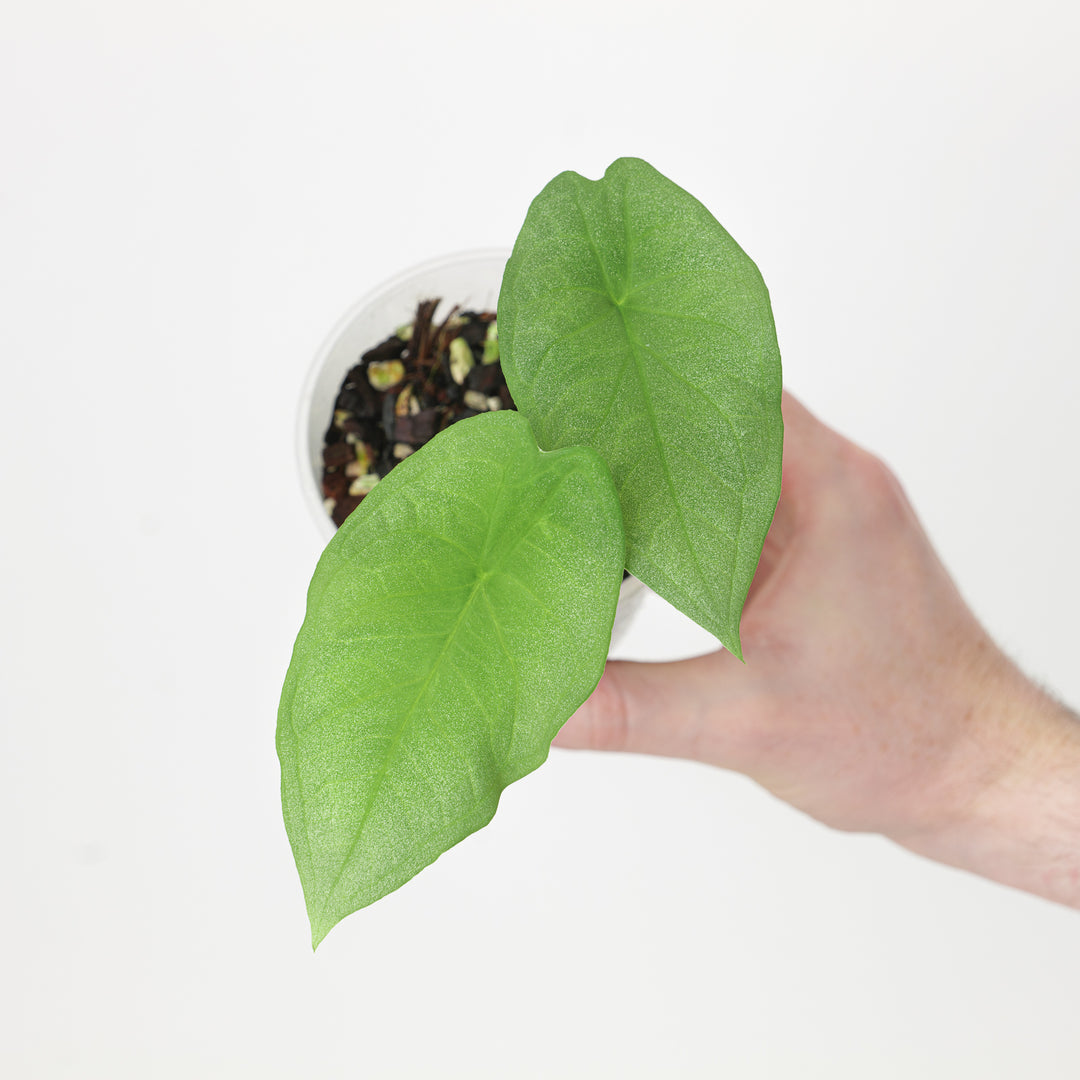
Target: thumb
[{"x": 650, "y": 708}]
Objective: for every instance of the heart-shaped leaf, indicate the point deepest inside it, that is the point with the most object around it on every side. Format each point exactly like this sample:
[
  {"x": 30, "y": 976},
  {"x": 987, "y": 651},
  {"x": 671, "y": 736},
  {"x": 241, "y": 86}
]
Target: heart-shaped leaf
[
  {"x": 457, "y": 619},
  {"x": 630, "y": 321}
]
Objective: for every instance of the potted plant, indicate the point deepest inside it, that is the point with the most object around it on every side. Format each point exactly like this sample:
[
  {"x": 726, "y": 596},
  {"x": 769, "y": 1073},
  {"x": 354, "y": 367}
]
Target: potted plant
[
  {"x": 463, "y": 613},
  {"x": 356, "y": 348}
]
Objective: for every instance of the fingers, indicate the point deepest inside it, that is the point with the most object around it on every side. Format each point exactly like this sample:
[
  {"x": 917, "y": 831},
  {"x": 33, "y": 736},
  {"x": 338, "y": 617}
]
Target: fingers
[
  {"x": 602, "y": 722},
  {"x": 805, "y": 439},
  {"x": 653, "y": 708},
  {"x": 809, "y": 445},
  {"x": 800, "y": 423},
  {"x": 672, "y": 709}
]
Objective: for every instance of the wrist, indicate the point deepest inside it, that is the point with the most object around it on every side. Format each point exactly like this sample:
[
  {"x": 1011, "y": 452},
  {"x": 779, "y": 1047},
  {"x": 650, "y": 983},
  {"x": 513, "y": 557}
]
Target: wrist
[{"x": 1013, "y": 811}]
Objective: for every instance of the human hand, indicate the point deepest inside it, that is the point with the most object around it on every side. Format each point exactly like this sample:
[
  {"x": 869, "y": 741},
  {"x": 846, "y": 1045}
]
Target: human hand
[{"x": 871, "y": 698}]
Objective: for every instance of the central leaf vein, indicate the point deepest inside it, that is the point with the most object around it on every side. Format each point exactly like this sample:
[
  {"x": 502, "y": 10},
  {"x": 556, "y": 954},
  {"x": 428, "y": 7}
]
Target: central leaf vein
[
  {"x": 658, "y": 442},
  {"x": 388, "y": 757}
]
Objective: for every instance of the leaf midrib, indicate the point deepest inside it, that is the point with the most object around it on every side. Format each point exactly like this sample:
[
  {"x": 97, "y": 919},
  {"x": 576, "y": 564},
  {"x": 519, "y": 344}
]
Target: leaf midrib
[
  {"x": 391, "y": 750},
  {"x": 634, "y": 346},
  {"x": 405, "y": 721},
  {"x": 669, "y": 481}
]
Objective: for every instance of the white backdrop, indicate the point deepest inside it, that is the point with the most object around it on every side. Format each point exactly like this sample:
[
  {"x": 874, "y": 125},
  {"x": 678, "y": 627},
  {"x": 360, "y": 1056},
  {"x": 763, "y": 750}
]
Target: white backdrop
[{"x": 189, "y": 199}]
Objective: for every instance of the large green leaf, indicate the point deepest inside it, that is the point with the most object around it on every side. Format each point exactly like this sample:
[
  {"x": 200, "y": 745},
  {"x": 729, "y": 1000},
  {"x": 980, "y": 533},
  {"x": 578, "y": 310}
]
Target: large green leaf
[
  {"x": 454, "y": 623},
  {"x": 630, "y": 321}
]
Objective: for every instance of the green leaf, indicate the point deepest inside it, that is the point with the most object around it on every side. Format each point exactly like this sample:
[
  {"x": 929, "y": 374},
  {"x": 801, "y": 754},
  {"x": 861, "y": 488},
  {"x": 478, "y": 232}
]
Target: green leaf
[
  {"x": 456, "y": 620},
  {"x": 630, "y": 321}
]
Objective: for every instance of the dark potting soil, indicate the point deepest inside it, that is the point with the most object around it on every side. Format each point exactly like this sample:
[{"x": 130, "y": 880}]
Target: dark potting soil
[{"x": 403, "y": 392}]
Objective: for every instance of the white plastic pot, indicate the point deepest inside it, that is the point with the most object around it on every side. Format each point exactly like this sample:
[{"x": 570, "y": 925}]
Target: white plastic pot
[{"x": 470, "y": 279}]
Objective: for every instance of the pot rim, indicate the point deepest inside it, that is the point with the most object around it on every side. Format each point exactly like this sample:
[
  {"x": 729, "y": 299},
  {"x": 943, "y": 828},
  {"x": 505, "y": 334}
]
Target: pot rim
[
  {"x": 311, "y": 491},
  {"x": 631, "y": 587}
]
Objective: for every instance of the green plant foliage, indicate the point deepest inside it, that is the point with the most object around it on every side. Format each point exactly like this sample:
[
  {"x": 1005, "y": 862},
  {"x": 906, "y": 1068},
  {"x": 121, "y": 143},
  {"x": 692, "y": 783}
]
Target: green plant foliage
[
  {"x": 631, "y": 322},
  {"x": 458, "y": 618},
  {"x": 463, "y": 612}
]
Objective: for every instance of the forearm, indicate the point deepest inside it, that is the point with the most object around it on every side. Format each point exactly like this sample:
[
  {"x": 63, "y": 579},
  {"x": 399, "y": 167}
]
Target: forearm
[{"x": 1016, "y": 817}]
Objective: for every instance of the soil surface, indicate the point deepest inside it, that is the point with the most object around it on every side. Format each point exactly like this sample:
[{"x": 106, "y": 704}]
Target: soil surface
[{"x": 402, "y": 392}]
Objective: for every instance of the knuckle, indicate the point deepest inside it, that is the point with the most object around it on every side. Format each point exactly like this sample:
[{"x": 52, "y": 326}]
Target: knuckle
[{"x": 872, "y": 483}]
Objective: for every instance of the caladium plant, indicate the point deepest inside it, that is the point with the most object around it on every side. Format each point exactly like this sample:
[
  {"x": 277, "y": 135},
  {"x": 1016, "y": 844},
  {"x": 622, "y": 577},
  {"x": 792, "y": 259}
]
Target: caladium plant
[{"x": 463, "y": 612}]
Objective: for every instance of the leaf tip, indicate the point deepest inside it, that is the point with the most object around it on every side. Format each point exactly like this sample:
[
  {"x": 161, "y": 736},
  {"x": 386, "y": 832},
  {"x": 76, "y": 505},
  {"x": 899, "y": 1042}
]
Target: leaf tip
[
  {"x": 730, "y": 638},
  {"x": 322, "y": 923},
  {"x": 320, "y": 927}
]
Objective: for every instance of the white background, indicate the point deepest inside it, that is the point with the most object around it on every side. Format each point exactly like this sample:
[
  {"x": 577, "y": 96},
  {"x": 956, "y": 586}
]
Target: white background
[{"x": 191, "y": 196}]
